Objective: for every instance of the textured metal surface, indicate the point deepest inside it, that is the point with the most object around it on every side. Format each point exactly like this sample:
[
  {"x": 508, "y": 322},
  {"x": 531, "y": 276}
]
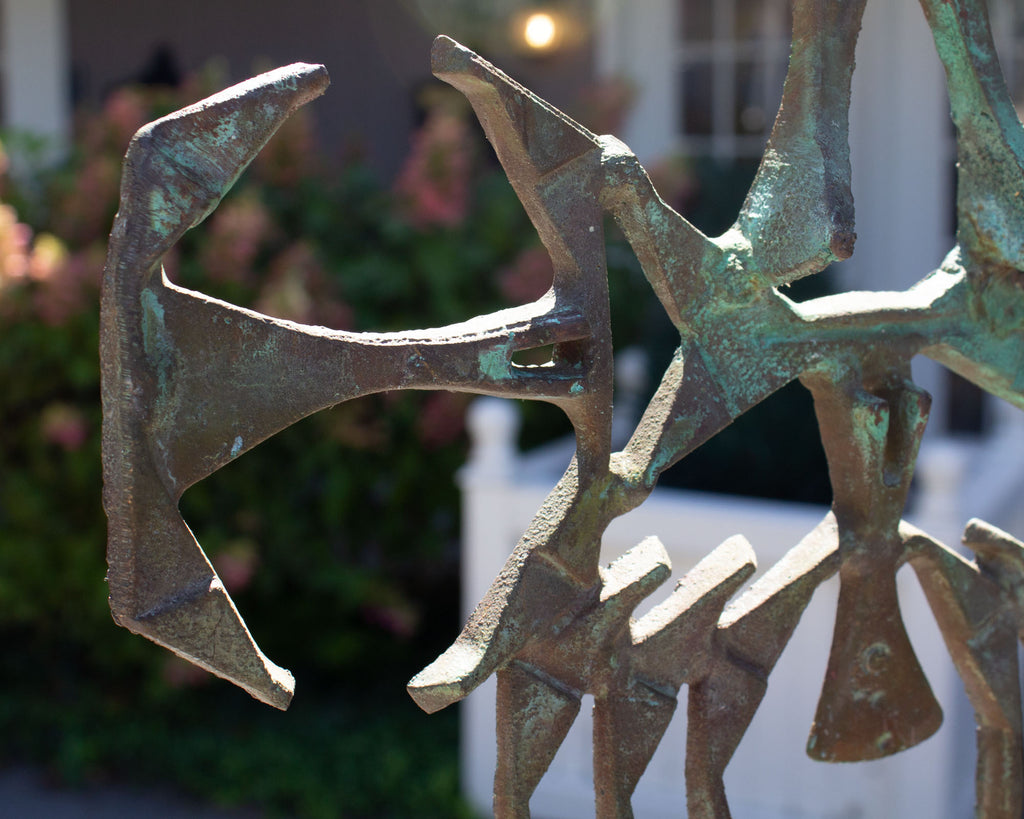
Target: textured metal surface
[{"x": 190, "y": 383}]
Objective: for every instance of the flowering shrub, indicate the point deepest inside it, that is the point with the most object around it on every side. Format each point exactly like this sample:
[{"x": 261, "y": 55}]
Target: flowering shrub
[
  {"x": 433, "y": 186},
  {"x": 344, "y": 528}
]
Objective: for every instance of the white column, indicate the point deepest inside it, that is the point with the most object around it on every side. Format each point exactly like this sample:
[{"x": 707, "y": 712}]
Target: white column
[
  {"x": 487, "y": 540},
  {"x": 902, "y": 157},
  {"x": 637, "y": 41},
  {"x": 34, "y": 69}
]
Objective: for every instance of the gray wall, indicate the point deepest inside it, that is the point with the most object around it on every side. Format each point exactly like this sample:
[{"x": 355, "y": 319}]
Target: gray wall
[{"x": 377, "y": 52}]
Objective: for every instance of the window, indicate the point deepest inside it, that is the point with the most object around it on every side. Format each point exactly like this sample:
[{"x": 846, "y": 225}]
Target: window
[{"x": 731, "y": 58}]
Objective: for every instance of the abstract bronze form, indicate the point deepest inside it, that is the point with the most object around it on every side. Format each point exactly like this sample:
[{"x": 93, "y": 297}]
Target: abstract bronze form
[{"x": 191, "y": 383}]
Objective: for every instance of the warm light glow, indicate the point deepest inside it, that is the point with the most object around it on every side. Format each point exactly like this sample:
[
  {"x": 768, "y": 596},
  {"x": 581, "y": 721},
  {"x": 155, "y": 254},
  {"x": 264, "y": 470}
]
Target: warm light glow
[{"x": 540, "y": 30}]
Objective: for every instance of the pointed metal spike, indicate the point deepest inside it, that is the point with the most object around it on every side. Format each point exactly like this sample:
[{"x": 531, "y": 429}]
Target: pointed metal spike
[
  {"x": 751, "y": 636},
  {"x": 798, "y": 215},
  {"x": 990, "y": 138},
  {"x": 673, "y": 640},
  {"x": 530, "y": 592},
  {"x": 534, "y": 715},
  {"x": 206, "y": 629},
  {"x": 527, "y": 132},
  {"x": 628, "y": 726},
  {"x": 163, "y": 587},
  {"x": 981, "y": 631},
  {"x": 177, "y": 168}
]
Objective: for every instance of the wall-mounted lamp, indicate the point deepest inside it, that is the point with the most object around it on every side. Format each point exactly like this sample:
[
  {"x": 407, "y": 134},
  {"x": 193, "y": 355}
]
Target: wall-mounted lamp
[{"x": 542, "y": 31}]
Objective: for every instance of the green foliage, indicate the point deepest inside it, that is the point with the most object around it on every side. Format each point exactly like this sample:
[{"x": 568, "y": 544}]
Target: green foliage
[{"x": 345, "y": 754}]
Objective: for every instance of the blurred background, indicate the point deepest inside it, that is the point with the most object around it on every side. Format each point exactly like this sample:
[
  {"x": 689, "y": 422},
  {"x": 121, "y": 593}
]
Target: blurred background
[{"x": 377, "y": 207}]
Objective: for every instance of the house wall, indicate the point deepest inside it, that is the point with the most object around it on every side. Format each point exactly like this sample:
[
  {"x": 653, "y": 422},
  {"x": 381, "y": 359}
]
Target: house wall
[
  {"x": 33, "y": 69},
  {"x": 378, "y": 54}
]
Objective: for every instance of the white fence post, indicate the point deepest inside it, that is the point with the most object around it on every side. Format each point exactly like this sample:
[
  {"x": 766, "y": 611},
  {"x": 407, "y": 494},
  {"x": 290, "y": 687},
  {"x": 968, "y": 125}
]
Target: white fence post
[{"x": 770, "y": 777}]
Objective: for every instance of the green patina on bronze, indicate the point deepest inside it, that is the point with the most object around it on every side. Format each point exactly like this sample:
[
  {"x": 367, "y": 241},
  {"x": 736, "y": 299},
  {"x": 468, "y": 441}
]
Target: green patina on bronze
[{"x": 556, "y": 625}]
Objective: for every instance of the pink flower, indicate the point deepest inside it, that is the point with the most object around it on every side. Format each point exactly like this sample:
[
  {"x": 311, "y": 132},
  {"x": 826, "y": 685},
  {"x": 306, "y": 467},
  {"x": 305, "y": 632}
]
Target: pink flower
[
  {"x": 126, "y": 110},
  {"x": 49, "y": 256},
  {"x": 5, "y": 166},
  {"x": 398, "y": 618},
  {"x": 83, "y": 213},
  {"x": 285, "y": 296},
  {"x": 675, "y": 182},
  {"x": 442, "y": 418},
  {"x": 433, "y": 185},
  {"x": 356, "y": 424},
  {"x": 179, "y": 673},
  {"x": 63, "y": 425},
  {"x": 66, "y": 283},
  {"x": 604, "y": 105},
  {"x": 290, "y": 156},
  {"x": 236, "y": 565},
  {"x": 528, "y": 278},
  {"x": 238, "y": 229},
  {"x": 15, "y": 237},
  {"x": 298, "y": 290}
]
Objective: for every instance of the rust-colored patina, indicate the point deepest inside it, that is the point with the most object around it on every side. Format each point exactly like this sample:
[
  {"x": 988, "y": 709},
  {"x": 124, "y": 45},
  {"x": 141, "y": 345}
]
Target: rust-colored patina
[{"x": 191, "y": 383}]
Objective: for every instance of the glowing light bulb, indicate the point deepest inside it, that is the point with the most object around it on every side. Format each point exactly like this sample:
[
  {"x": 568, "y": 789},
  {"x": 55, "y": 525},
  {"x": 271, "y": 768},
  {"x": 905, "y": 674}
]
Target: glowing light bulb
[{"x": 539, "y": 30}]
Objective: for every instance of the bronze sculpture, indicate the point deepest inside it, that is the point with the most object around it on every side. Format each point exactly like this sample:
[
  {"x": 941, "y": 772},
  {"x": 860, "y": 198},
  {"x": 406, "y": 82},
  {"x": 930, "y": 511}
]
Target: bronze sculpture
[{"x": 555, "y": 624}]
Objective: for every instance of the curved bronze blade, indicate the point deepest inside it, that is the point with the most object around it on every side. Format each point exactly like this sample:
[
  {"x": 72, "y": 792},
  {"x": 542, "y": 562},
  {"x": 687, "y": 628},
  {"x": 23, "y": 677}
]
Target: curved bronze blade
[
  {"x": 191, "y": 383},
  {"x": 175, "y": 172}
]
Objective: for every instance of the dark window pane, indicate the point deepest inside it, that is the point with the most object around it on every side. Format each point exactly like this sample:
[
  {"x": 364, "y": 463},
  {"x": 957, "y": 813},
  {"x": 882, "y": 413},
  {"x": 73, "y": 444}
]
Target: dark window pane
[
  {"x": 697, "y": 110},
  {"x": 696, "y": 20},
  {"x": 966, "y": 405},
  {"x": 749, "y": 114}
]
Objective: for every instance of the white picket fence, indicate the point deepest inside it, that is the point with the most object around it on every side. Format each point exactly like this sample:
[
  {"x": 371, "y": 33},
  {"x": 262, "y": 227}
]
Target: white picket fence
[{"x": 770, "y": 777}]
